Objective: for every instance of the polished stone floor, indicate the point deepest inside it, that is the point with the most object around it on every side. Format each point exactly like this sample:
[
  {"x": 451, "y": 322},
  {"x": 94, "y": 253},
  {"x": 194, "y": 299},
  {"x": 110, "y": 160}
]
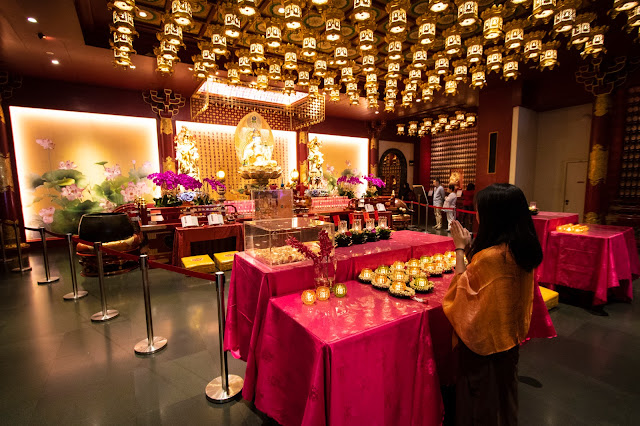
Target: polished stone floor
[{"x": 57, "y": 367}]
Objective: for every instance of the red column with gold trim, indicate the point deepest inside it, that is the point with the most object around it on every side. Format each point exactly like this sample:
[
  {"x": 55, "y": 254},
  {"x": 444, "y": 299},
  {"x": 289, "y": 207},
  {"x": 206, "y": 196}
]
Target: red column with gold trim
[{"x": 166, "y": 104}]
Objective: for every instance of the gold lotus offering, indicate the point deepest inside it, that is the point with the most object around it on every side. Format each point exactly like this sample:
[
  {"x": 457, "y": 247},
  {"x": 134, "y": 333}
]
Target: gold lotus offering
[
  {"x": 415, "y": 271},
  {"x": 397, "y": 265},
  {"x": 385, "y": 270},
  {"x": 421, "y": 285},
  {"x": 399, "y": 276},
  {"x": 438, "y": 257},
  {"x": 381, "y": 282},
  {"x": 426, "y": 259},
  {"x": 413, "y": 263},
  {"x": 433, "y": 269},
  {"x": 366, "y": 275},
  {"x": 450, "y": 254},
  {"x": 323, "y": 292},
  {"x": 572, "y": 228},
  {"x": 400, "y": 289}
]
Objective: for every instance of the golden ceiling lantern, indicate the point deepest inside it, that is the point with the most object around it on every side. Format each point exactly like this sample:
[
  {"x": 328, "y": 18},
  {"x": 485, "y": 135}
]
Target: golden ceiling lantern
[
  {"x": 633, "y": 17},
  {"x": 233, "y": 72},
  {"x": 273, "y": 33},
  {"x": 354, "y": 99},
  {"x": 549, "y": 55},
  {"x": 123, "y": 4},
  {"x": 407, "y": 99},
  {"x": 494, "y": 58},
  {"x": 262, "y": 78},
  {"x": 471, "y": 118},
  {"x": 415, "y": 74},
  {"x": 390, "y": 93},
  {"x": 565, "y": 15},
  {"x": 369, "y": 60},
  {"x": 247, "y": 7},
  {"x": 450, "y": 85},
  {"x": 389, "y": 105},
  {"x": 314, "y": 88},
  {"x": 442, "y": 63},
  {"x": 372, "y": 102},
  {"x": 346, "y": 72},
  {"x": 309, "y": 44},
  {"x": 413, "y": 128},
  {"x": 351, "y": 87},
  {"x": 123, "y": 42},
  {"x": 290, "y": 57},
  {"x": 366, "y": 36},
  {"x": 624, "y": 5},
  {"x": 478, "y": 76},
  {"x": 181, "y": 12},
  {"x": 362, "y": 10},
  {"x": 371, "y": 80},
  {"x": 410, "y": 87},
  {"x": 419, "y": 56},
  {"x": 330, "y": 81},
  {"x": 208, "y": 56},
  {"x": 438, "y": 6},
  {"x": 461, "y": 69},
  {"x": 122, "y": 58},
  {"x": 514, "y": 34},
  {"x": 334, "y": 94},
  {"x": 164, "y": 66},
  {"x": 510, "y": 67},
  {"x": 433, "y": 80},
  {"x": 427, "y": 28},
  {"x": 123, "y": 21},
  {"x": 474, "y": 49},
  {"x": 320, "y": 66},
  {"x": 543, "y": 9},
  {"x": 231, "y": 18},
  {"x": 394, "y": 48},
  {"x": 443, "y": 119},
  {"x": 257, "y": 48},
  {"x": 218, "y": 40},
  {"x": 391, "y": 83},
  {"x": 595, "y": 45},
  {"x": 397, "y": 10},
  {"x": 304, "y": 74},
  {"x": 427, "y": 122},
  {"x": 199, "y": 70},
  {"x": 341, "y": 54},
  {"x": 275, "y": 69},
  {"x": 332, "y": 23},
  {"x": 289, "y": 83},
  {"x": 533, "y": 45},
  {"x": 452, "y": 41},
  {"x": 400, "y": 129},
  {"x": 581, "y": 31},
  {"x": 493, "y": 21},
  {"x": 293, "y": 14},
  {"x": 244, "y": 61},
  {"x": 467, "y": 12}
]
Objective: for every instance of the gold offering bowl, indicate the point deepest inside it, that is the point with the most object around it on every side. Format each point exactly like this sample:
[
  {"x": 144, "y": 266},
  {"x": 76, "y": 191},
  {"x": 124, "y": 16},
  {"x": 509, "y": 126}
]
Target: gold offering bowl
[
  {"x": 413, "y": 262},
  {"x": 397, "y": 265}
]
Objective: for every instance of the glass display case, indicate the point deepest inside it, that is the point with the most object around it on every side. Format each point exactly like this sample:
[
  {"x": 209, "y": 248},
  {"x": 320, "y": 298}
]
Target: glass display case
[{"x": 266, "y": 240}]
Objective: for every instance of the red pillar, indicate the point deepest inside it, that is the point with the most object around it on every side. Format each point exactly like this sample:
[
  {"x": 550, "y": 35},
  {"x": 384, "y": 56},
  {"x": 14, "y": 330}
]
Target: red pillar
[
  {"x": 422, "y": 161},
  {"x": 302, "y": 153}
]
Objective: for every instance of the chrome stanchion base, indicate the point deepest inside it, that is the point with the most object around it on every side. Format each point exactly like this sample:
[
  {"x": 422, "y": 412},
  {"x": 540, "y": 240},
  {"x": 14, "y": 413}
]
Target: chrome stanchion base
[
  {"x": 100, "y": 316},
  {"x": 144, "y": 348},
  {"x": 216, "y": 394},
  {"x": 23, "y": 269},
  {"x": 50, "y": 280},
  {"x": 71, "y": 296}
]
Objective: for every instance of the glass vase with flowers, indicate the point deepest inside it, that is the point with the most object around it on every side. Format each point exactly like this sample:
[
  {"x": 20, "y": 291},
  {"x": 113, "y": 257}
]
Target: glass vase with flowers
[{"x": 323, "y": 257}]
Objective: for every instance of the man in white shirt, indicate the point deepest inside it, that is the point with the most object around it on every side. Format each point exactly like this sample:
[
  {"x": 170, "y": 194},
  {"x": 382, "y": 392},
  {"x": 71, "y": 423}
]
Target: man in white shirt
[
  {"x": 450, "y": 202},
  {"x": 438, "y": 200}
]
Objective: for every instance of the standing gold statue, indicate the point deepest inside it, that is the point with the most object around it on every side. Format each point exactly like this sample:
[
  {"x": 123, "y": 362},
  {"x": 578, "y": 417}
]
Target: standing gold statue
[{"x": 187, "y": 154}]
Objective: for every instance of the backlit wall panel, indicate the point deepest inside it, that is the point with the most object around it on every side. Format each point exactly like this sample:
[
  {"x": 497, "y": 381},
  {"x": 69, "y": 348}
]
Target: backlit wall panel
[
  {"x": 83, "y": 139},
  {"x": 454, "y": 151}
]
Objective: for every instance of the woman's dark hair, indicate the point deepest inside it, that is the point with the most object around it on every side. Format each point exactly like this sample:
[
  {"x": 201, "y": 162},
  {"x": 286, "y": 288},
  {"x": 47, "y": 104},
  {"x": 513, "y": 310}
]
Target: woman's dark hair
[
  {"x": 452, "y": 187},
  {"x": 470, "y": 187},
  {"x": 504, "y": 217}
]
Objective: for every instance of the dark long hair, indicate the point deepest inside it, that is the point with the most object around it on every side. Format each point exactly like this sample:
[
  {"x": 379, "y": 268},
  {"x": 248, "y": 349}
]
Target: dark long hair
[{"x": 504, "y": 217}]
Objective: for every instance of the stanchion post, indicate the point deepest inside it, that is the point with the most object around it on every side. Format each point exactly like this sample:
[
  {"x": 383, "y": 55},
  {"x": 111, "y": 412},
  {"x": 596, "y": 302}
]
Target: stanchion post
[
  {"x": 21, "y": 267},
  {"x": 75, "y": 294},
  {"x": 45, "y": 255},
  {"x": 105, "y": 314},
  {"x": 225, "y": 387},
  {"x": 151, "y": 344},
  {"x": 426, "y": 216},
  {"x": 2, "y": 243}
]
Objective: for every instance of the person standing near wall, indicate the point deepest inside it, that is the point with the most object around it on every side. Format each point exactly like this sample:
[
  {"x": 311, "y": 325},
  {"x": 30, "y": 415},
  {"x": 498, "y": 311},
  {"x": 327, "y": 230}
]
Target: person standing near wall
[
  {"x": 467, "y": 204},
  {"x": 450, "y": 202},
  {"x": 438, "y": 200}
]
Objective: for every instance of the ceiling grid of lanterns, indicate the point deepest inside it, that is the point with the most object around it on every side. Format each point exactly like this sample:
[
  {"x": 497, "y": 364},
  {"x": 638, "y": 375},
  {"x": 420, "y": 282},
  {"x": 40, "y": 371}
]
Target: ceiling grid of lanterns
[
  {"x": 496, "y": 38},
  {"x": 122, "y": 32},
  {"x": 444, "y": 122}
]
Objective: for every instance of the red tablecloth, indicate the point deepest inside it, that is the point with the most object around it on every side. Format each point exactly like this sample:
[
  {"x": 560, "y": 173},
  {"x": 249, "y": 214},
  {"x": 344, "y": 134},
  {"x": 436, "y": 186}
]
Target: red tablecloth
[
  {"x": 424, "y": 244},
  {"x": 185, "y": 236},
  {"x": 366, "y": 359},
  {"x": 603, "y": 258},
  {"x": 545, "y": 222},
  {"x": 253, "y": 283}
]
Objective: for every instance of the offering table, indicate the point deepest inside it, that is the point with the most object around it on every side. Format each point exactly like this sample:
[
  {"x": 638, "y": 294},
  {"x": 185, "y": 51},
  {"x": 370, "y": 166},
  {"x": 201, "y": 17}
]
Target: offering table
[
  {"x": 185, "y": 236},
  {"x": 545, "y": 222}
]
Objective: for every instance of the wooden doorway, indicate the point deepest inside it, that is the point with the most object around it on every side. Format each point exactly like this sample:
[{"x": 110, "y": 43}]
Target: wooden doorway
[
  {"x": 393, "y": 170},
  {"x": 575, "y": 187}
]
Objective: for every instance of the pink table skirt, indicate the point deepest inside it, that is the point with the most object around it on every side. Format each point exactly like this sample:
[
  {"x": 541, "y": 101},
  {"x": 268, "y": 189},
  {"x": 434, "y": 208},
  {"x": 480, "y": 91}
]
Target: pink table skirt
[
  {"x": 253, "y": 284},
  {"x": 424, "y": 244},
  {"x": 545, "y": 222},
  {"x": 366, "y": 359},
  {"x": 603, "y": 258}
]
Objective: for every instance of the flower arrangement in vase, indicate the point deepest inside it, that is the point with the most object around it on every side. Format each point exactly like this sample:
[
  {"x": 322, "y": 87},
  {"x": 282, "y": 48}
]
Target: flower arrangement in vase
[
  {"x": 373, "y": 184},
  {"x": 342, "y": 239},
  {"x": 324, "y": 261},
  {"x": 347, "y": 185}
]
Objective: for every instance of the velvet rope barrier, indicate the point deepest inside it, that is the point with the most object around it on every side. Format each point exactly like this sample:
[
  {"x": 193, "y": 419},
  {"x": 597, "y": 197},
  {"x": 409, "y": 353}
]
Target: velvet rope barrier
[{"x": 441, "y": 208}]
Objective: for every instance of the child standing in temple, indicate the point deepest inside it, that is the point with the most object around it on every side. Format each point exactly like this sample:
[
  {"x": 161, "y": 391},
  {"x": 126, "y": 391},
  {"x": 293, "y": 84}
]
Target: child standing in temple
[{"x": 450, "y": 202}]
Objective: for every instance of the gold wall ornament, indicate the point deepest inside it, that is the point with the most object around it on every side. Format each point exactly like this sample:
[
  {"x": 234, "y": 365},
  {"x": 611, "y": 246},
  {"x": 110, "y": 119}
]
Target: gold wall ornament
[
  {"x": 166, "y": 126},
  {"x": 6, "y": 177},
  {"x": 169, "y": 164},
  {"x": 601, "y": 105},
  {"x": 598, "y": 165},
  {"x": 187, "y": 153},
  {"x": 592, "y": 217},
  {"x": 1, "y": 112}
]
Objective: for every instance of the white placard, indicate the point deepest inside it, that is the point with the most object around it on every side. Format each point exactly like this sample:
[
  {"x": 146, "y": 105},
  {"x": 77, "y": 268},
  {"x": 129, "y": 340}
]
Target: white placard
[
  {"x": 381, "y": 207},
  {"x": 459, "y": 193},
  {"x": 430, "y": 193},
  {"x": 215, "y": 219},
  {"x": 189, "y": 221},
  {"x": 369, "y": 208},
  {"x": 361, "y": 202}
]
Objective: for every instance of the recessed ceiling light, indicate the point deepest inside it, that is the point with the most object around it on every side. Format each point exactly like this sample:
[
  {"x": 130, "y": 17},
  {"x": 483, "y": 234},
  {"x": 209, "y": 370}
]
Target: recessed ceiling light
[
  {"x": 55, "y": 62},
  {"x": 418, "y": 100},
  {"x": 143, "y": 14},
  {"x": 190, "y": 68},
  {"x": 133, "y": 67},
  {"x": 281, "y": 10},
  {"x": 32, "y": 20},
  {"x": 49, "y": 53},
  {"x": 377, "y": 112}
]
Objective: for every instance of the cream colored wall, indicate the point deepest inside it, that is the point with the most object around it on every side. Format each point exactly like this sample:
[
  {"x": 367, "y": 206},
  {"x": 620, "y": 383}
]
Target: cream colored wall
[
  {"x": 562, "y": 136},
  {"x": 405, "y": 147},
  {"x": 524, "y": 137}
]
